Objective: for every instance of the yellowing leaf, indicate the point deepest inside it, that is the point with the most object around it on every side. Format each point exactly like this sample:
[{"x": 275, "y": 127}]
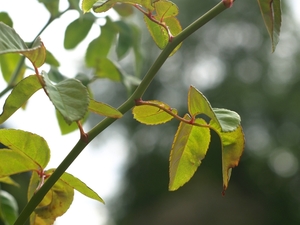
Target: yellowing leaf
[
  {"x": 165, "y": 9},
  {"x": 153, "y": 112},
  {"x": 232, "y": 149},
  {"x": 104, "y": 109},
  {"x": 189, "y": 148},
  {"x": 56, "y": 202},
  {"x": 19, "y": 95},
  {"x": 271, "y": 13}
]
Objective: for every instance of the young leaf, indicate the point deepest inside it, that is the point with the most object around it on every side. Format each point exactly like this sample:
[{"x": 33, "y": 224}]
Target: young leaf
[
  {"x": 78, "y": 185},
  {"x": 19, "y": 95},
  {"x": 8, "y": 208},
  {"x": 233, "y": 146},
  {"x": 29, "y": 145},
  {"x": 228, "y": 120},
  {"x": 104, "y": 109},
  {"x": 70, "y": 98},
  {"x": 104, "y": 5},
  {"x": 78, "y": 30},
  {"x": 8, "y": 64},
  {"x": 153, "y": 113},
  {"x": 56, "y": 202},
  {"x": 271, "y": 13},
  {"x": 189, "y": 148}
]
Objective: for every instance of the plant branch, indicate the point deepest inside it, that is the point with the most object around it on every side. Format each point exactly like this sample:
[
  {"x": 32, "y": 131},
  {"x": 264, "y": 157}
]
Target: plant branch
[{"x": 126, "y": 106}]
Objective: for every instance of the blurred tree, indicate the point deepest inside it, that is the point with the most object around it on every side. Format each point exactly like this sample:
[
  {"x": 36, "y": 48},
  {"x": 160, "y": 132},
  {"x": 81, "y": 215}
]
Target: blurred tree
[{"x": 231, "y": 62}]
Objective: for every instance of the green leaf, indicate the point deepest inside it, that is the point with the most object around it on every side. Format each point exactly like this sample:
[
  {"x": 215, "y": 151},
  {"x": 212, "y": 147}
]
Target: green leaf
[
  {"x": 198, "y": 104},
  {"x": 11, "y": 42},
  {"x": 78, "y": 30},
  {"x": 165, "y": 9},
  {"x": 107, "y": 69},
  {"x": 52, "y": 6},
  {"x": 8, "y": 63},
  {"x": 70, "y": 98},
  {"x": 99, "y": 47},
  {"x": 104, "y": 109},
  {"x": 51, "y": 60},
  {"x": 8, "y": 180},
  {"x": 19, "y": 95},
  {"x": 153, "y": 112},
  {"x": 125, "y": 40},
  {"x": 124, "y": 10},
  {"x": 8, "y": 208},
  {"x": 104, "y": 5},
  {"x": 5, "y": 18},
  {"x": 86, "y": 5},
  {"x": 271, "y": 13},
  {"x": 232, "y": 149},
  {"x": 158, "y": 33},
  {"x": 78, "y": 185},
  {"x": 229, "y": 120},
  {"x": 56, "y": 202},
  {"x": 66, "y": 128},
  {"x": 27, "y": 144},
  {"x": 189, "y": 148}
]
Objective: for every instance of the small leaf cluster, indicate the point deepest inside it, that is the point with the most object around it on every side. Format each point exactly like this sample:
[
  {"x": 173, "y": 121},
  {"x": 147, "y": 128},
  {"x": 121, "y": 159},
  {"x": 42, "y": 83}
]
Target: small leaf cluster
[{"x": 192, "y": 138}]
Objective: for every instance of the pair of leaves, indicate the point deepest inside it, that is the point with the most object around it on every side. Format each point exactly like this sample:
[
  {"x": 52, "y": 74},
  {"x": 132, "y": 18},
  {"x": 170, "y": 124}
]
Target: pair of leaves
[
  {"x": 30, "y": 152},
  {"x": 192, "y": 138},
  {"x": 271, "y": 13},
  {"x": 160, "y": 17}
]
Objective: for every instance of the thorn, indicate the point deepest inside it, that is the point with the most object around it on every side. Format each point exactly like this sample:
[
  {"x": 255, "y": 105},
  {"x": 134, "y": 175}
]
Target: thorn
[{"x": 228, "y": 3}]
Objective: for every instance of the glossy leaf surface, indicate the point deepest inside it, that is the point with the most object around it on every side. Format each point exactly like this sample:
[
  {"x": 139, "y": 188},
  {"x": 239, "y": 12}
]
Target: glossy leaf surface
[
  {"x": 271, "y": 13},
  {"x": 153, "y": 112},
  {"x": 104, "y": 109},
  {"x": 229, "y": 120},
  {"x": 8, "y": 208},
  {"x": 19, "y": 95},
  {"x": 70, "y": 98},
  {"x": 189, "y": 148}
]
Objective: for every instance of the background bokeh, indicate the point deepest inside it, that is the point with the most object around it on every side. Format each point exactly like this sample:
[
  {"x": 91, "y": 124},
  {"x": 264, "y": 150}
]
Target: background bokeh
[{"x": 230, "y": 61}]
